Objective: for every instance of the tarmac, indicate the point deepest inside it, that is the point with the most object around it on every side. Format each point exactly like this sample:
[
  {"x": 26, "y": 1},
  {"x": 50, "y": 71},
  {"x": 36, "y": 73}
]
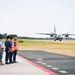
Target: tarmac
[
  {"x": 57, "y": 63},
  {"x": 23, "y": 67}
]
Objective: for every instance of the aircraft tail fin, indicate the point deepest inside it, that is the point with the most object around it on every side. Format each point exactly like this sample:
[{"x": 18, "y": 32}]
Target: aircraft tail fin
[{"x": 54, "y": 30}]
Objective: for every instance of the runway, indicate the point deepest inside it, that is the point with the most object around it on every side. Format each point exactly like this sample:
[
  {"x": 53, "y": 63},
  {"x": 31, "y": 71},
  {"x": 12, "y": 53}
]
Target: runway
[
  {"x": 59, "y": 64},
  {"x": 23, "y": 67}
]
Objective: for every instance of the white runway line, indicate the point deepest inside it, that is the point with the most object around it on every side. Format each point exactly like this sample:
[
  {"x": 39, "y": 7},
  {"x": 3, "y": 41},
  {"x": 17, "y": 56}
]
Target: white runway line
[
  {"x": 49, "y": 65},
  {"x": 44, "y": 63},
  {"x": 70, "y": 74},
  {"x": 39, "y": 61},
  {"x": 63, "y": 71},
  {"x": 55, "y": 68}
]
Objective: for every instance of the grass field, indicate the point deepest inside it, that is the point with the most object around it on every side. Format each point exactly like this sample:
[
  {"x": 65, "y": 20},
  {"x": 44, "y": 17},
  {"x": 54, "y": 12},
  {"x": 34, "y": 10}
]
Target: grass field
[{"x": 64, "y": 47}]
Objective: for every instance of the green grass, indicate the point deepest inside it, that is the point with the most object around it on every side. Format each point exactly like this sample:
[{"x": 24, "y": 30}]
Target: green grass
[
  {"x": 41, "y": 42},
  {"x": 63, "y": 47},
  {"x": 47, "y": 43},
  {"x": 36, "y": 42}
]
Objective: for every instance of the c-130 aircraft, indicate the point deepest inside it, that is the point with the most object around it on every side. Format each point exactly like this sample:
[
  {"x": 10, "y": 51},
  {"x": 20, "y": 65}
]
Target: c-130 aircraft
[{"x": 55, "y": 35}]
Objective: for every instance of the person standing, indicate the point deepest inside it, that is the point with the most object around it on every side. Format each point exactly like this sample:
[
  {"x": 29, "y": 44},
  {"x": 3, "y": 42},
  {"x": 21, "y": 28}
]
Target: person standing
[
  {"x": 7, "y": 48},
  {"x": 1, "y": 50},
  {"x": 12, "y": 49},
  {"x": 15, "y": 50}
]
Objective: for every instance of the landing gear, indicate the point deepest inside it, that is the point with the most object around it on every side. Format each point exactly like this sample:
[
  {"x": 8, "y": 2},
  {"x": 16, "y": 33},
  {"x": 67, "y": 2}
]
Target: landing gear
[
  {"x": 54, "y": 39},
  {"x": 57, "y": 39},
  {"x": 60, "y": 39}
]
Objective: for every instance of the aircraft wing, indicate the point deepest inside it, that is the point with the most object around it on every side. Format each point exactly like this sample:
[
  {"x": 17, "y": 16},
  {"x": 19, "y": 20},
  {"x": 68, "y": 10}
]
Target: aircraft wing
[
  {"x": 68, "y": 34},
  {"x": 51, "y": 34},
  {"x": 44, "y": 33}
]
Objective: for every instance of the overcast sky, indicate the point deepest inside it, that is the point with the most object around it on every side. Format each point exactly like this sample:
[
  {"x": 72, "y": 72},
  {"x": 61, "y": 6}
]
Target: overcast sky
[{"x": 28, "y": 17}]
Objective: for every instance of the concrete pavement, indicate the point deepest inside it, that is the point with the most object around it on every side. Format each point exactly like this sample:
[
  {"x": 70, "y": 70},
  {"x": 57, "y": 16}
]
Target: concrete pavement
[
  {"x": 23, "y": 67},
  {"x": 60, "y": 64}
]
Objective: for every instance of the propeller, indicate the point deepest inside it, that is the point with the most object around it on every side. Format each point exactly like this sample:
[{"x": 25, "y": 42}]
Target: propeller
[
  {"x": 66, "y": 35},
  {"x": 51, "y": 35}
]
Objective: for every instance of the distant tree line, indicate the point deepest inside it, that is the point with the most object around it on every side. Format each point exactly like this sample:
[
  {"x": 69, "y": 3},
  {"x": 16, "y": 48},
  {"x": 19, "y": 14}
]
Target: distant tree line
[
  {"x": 22, "y": 37},
  {"x": 5, "y": 35},
  {"x": 34, "y": 38}
]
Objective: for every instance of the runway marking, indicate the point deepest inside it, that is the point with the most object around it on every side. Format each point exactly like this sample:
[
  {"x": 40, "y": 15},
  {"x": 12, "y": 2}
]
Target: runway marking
[
  {"x": 49, "y": 66},
  {"x": 38, "y": 66},
  {"x": 70, "y": 74},
  {"x": 55, "y": 68},
  {"x": 44, "y": 63},
  {"x": 39, "y": 59},
  {"x": 63, "y": 71}
]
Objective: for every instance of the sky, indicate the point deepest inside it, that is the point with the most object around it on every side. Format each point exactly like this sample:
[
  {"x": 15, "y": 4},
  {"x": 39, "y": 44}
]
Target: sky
[{"x": 28, "y": 17}]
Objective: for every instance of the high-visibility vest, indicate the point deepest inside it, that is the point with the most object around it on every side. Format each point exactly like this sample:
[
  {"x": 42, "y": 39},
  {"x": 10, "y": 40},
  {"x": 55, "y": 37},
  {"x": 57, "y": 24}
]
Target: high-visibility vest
[
  {"x": 12, "y": 48},
  {"x": 16, "y": 47}
]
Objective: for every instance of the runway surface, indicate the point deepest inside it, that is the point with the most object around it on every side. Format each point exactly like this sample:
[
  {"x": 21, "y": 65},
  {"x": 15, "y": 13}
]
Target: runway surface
[
  {"x": 60, "y": 64},
  {"x": 23, "y": 67}
]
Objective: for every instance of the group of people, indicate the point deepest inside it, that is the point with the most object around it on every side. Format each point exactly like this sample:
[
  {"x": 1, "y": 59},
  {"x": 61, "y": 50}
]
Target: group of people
[{"x": 10, "y": 50}]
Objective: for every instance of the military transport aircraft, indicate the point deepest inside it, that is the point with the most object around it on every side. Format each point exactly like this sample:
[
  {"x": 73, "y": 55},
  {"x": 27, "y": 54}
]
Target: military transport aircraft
[{"x": 55, "y": 35}]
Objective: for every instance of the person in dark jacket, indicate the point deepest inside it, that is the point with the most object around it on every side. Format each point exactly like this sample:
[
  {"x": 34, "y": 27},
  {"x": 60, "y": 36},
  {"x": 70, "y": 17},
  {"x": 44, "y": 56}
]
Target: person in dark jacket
[
  {"x": 12, "y": 49},
  {"x": 7, "y": 49}
]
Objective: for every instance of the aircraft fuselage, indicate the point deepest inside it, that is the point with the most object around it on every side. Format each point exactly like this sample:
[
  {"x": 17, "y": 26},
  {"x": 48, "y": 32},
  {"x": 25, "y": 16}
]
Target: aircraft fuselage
[{"x": 58, "y": 38}]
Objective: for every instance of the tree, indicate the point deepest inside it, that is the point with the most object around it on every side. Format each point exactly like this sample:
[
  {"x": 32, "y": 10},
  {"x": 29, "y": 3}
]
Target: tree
[{"x": 13, "y": 35}]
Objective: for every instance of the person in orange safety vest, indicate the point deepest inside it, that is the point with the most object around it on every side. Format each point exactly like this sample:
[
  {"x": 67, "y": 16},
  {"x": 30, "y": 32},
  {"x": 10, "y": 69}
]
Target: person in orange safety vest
[
  {"x": 11, "y": 51},
  {"x": 15, "y": 50}
]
